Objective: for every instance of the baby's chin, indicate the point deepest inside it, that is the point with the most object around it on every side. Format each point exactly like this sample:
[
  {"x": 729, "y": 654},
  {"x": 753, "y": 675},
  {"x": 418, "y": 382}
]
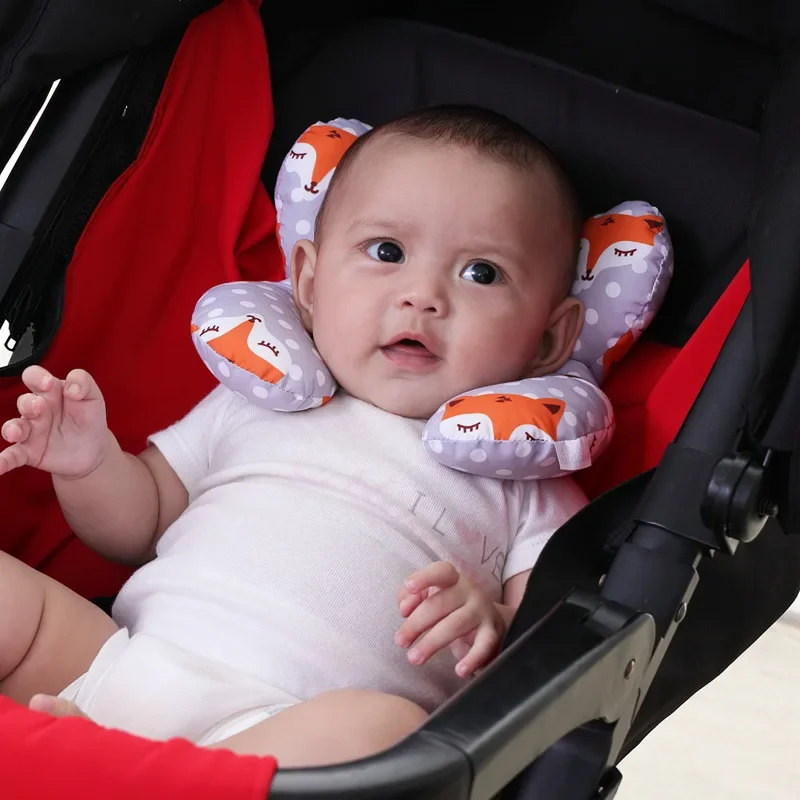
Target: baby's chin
[
  {"x": 404, "y": 400},
  {"x": 408, "y": 407}
]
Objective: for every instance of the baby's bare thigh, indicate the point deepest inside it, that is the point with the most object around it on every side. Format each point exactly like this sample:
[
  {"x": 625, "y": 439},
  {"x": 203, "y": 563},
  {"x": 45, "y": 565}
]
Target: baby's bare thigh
[
  {"x": 49, "y": 635},
  {"x": 332, "y": 728}
]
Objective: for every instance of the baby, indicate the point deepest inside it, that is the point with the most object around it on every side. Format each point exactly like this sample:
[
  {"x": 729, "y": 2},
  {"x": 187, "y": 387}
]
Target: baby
[{"x": 314, "y": 584}]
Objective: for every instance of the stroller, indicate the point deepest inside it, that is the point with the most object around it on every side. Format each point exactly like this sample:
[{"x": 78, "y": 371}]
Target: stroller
[{"x": 139, "y": 188}]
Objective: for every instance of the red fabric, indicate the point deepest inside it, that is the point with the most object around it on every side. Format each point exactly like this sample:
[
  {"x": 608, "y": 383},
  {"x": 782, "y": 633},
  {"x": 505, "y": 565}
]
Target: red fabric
[
  {"x": 44, "y": 757},
  {"x": 189, "y": 213},
  {"x": 653, "y": 389}
]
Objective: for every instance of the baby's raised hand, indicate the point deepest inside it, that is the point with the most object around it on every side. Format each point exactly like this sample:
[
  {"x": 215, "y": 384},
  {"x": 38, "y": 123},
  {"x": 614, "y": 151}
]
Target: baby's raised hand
[
  {"x": 61, "y": 428},
  {"x": 446, "y": 608}
]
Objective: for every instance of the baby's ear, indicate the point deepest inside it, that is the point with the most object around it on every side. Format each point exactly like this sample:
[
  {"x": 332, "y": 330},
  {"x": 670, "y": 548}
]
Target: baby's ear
[
  {"x": 559, "y": 339},
  {"x": 303, "y": 264}
]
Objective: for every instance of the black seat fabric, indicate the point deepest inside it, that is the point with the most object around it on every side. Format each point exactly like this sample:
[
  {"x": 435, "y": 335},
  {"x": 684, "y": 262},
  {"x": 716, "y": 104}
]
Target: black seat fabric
[
  {"x": 715, "y": 56},
  {"x": 616, "y": 145},
  {"x": 43, "y": 41}
]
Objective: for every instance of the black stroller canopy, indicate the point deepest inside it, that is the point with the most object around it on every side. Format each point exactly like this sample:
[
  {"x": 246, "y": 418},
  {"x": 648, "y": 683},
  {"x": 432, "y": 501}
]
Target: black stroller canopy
[{"x": 658, "y": 585}]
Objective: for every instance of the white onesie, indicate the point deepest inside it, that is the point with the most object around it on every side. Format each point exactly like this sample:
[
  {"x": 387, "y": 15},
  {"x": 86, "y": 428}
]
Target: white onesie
[{"x": 283, "y": 571}]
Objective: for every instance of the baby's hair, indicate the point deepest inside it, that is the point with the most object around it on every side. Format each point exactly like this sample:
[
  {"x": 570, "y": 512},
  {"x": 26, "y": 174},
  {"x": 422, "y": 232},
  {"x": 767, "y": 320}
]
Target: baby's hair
[{"x": 488, "y": 133}]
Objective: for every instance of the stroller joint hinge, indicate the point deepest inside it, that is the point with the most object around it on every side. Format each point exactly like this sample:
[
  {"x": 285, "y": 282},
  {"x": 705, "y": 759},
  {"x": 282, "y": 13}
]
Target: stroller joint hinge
[{"x": 735, "y": 507}]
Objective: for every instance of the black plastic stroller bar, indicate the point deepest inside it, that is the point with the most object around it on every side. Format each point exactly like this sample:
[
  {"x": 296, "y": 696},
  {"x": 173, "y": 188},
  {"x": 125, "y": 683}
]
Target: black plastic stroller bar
[
  {"x": 671, "y": 536},
  {"x": 707, "y": 435},
  {"x": 719, "y": 411},
  {"x": 542, "y": 687}
]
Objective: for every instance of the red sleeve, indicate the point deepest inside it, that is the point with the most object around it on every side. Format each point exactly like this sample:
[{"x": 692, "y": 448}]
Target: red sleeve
[{"x": 73, "y": 758}]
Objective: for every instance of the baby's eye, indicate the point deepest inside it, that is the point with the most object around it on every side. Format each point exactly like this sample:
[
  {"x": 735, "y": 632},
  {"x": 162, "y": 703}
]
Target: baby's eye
[
  {"x": 389, "y": 252},
  {"x": 481, "y": 272}
]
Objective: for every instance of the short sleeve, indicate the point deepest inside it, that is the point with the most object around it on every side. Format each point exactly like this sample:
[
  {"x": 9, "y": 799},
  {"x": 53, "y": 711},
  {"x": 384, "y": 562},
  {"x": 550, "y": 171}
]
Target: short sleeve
[
  {"x": 546, "y": 506},
  {"x": 187, "y": 445}
]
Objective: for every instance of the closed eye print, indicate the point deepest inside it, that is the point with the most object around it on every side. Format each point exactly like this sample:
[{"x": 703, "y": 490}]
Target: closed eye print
[
  {"x": 293, "y": 154},
  {"x": 533, "y": 438},
  {"x": 469, "y": 428},
  {"x": 618, "y": 252},
  {"x": 269, "y": 346},
  {"x": 210, "y": 329}
]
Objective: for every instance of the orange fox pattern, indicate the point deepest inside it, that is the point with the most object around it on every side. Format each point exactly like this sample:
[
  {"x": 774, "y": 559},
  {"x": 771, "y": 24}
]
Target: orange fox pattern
[
  {"x": 508, "y": 412},
  {"x": 602, "y": 232},
  {"x": 618, "y": 351},
  {"x": 329, "y": 145},
  {"x": 233, "y": 346}
]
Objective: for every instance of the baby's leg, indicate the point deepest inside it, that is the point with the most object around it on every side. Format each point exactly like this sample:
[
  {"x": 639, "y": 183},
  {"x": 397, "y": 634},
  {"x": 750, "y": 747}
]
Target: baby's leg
[
  {"x": 48, "y": 634},
  {"x": 332, "y": 728}
]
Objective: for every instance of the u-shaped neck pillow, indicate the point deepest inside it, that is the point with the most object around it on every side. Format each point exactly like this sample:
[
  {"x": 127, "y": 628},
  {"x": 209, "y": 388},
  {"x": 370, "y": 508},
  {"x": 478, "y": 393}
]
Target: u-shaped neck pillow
[{"x": 250, "y": 335}]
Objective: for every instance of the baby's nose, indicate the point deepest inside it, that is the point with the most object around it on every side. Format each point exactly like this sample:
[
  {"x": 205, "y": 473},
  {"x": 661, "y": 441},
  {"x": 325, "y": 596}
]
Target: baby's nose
[
  {"x": 424, "y": 291},
  {"x": 424, "y": 301}
]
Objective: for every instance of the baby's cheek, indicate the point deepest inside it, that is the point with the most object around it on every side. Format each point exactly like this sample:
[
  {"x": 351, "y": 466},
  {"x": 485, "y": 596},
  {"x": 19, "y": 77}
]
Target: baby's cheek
[{"x": 497, "y": 353}]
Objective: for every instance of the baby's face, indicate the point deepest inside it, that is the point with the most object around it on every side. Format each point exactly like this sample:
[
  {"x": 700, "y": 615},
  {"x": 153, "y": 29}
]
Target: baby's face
[{"x": 438, "y": 272}]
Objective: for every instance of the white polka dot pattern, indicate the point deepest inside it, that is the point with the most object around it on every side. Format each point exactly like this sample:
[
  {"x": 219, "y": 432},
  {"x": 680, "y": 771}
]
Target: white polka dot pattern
[
  {"x": 558, "y": 412},
  {"x": 244, "y": 319}
]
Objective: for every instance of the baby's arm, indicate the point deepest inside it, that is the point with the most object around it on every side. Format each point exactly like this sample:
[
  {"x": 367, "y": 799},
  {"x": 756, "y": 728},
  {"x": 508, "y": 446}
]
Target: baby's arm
[
  {"x": 546, "y": 506},
  {"x": 121, "y": 508},
  {"x": 116, "y": 503}
]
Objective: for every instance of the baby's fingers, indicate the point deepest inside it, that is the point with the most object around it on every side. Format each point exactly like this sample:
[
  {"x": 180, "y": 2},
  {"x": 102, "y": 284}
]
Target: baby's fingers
[
  {"x": 434, "y": 609},
  {"x": 16, "y": 430},
  {"x": 407, "y": 603},
  {"x": 440, "y": 574},
  {"x": 31, "y": 406},
  {"x": 460, "y": 623},
  {"x": 483, "y": 650},
  {"x": 45, "y": 387},
  {"x": 80, "y": 385},
  {"x": 38, "y": 379},
  {"x": 55, "y": 706},
  {"x": 20, "y": 431},
  {"x": 13, "y": 457}
]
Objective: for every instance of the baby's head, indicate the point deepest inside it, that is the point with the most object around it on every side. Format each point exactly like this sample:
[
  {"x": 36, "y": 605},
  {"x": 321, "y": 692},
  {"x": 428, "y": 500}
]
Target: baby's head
[{"x": 442, "y": 260}]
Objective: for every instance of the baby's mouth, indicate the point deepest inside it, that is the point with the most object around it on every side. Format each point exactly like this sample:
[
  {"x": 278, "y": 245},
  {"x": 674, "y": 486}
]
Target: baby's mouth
[{"x": 410, "y": 353}]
